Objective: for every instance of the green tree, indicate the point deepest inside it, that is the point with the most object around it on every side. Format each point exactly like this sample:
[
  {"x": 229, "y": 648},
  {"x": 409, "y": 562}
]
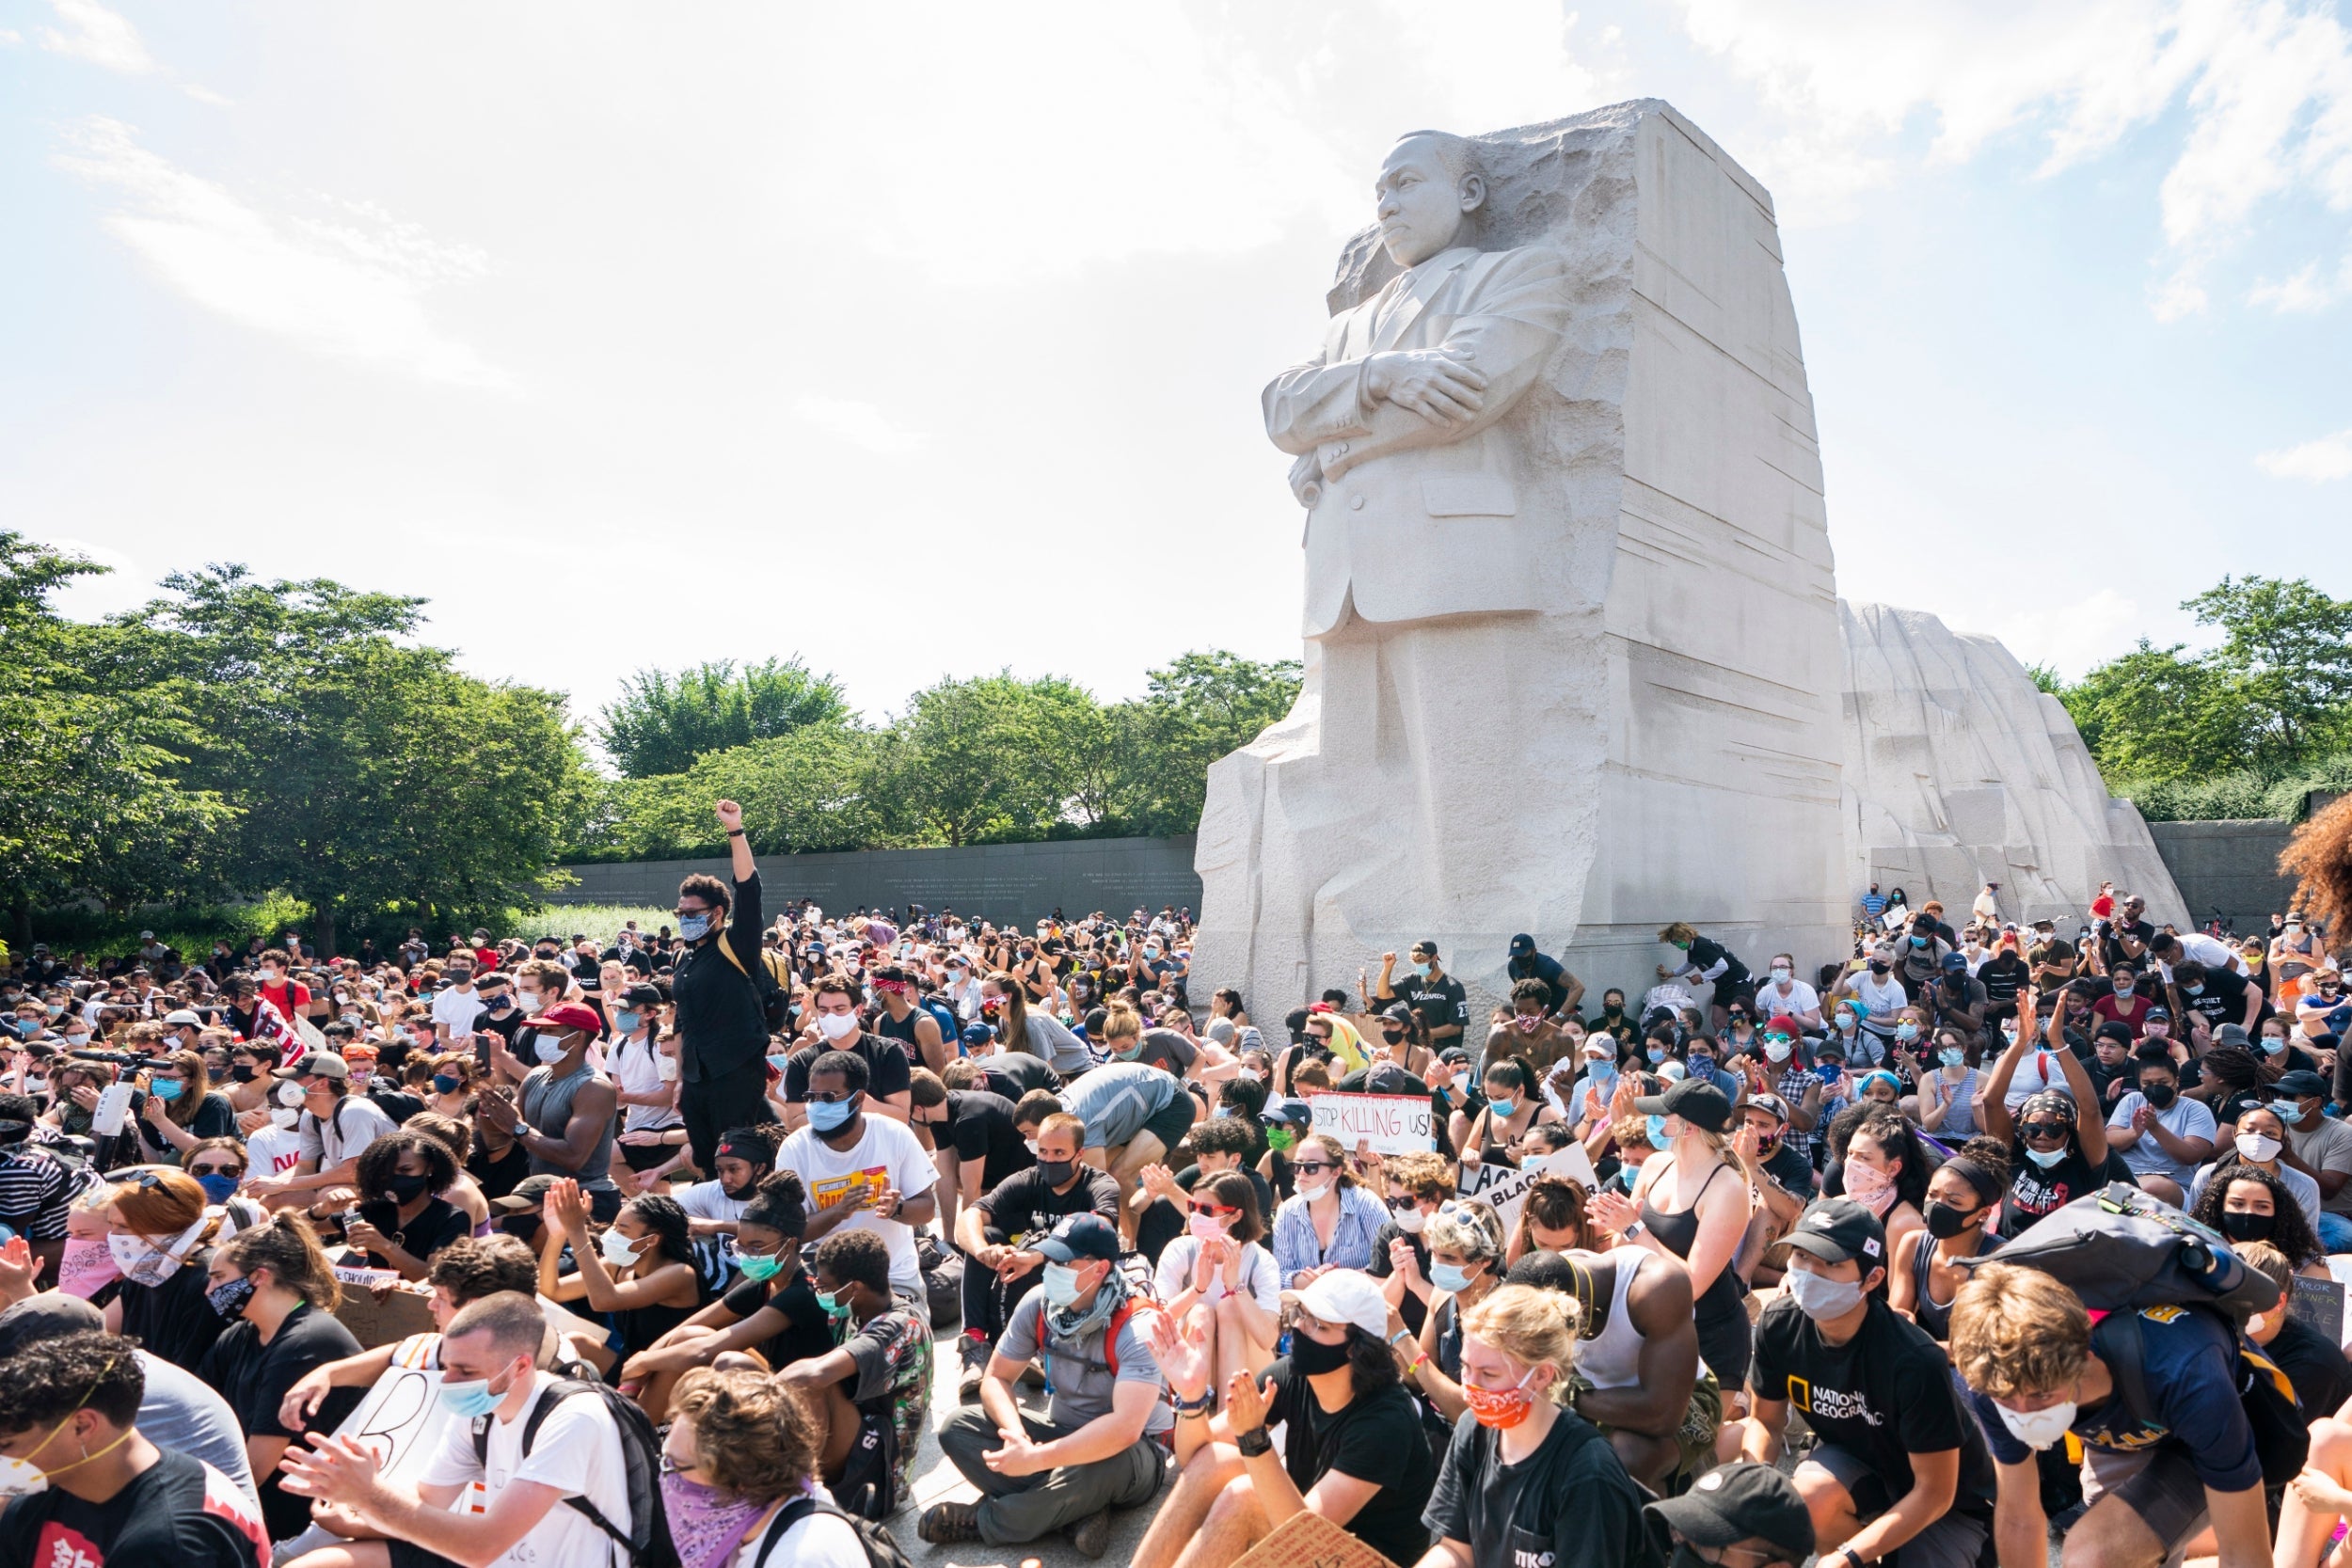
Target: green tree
[
  {"x": 370, "y": 773},
  {"x": 661, "y": 722},
  {"x": 1196, "y": 709},
  {"x": 809, "y": 790},
  {"x": 91, "y": 752},
  {"x": 978, "y": 761},
  {"x": 2286, "y": 654},
  {"x": 2154, "y": 714}
]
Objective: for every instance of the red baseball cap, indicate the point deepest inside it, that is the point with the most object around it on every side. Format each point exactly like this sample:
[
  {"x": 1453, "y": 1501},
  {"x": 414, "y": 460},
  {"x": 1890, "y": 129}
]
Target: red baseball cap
[{"x": 569, "y": 1016}]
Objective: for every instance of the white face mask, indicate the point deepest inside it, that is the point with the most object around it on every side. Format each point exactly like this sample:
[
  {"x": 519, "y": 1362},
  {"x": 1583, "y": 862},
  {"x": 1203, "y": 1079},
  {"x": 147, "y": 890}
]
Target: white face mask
[
  {"x": 2039, "y": 1429},
  {"x": 1032, "y": 1146},
  {"x": 286, "y": 1117},
  {"x": 290, "y": 1093},
  {"x": 2260, "y": 1148},
  {"x": 1780, "y": 974},
  {"x": 548, "y": 1048},
  {"x": 1410, "y": 1220},
  {"x": 837, "y": 1026},
  {"x": 617, "y": 1249},
  {"x": 1313, "y": 1195}
]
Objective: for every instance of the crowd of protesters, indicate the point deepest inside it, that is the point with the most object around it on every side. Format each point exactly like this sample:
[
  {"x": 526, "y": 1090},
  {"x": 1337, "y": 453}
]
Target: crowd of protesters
[{"x": 1702, "y": 1269}]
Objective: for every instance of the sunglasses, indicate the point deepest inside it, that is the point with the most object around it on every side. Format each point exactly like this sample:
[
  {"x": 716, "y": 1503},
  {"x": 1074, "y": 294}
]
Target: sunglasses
[
  {"x": 1315, "y": 1169},
  {"x": 214, "y": 1170},
  {"x": 1216, "y": 1210},
  {"x": 2042, "y": 1129}
]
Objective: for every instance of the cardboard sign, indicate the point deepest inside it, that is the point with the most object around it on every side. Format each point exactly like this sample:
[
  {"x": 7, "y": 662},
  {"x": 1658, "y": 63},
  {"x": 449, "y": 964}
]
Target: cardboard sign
[
  {"x": 1392, "y": 1123},
  {"x": 380, "y": 1319},
  {"x": 833, "y": 1189},
  {"x": 365, "y": 1277},
  {"x": 1571, "y": 1163},
  {"x": 1308, "y": 1540},
  {"x": 2320, "y": 1304},
  {"x": 401, "y": 1419},
  {"x": 1499, "y": 1187}
]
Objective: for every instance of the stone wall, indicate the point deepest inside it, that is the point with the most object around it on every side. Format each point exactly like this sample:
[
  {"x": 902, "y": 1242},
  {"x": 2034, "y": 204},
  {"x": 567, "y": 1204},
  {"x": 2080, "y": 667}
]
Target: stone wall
[
  {"x": 2229, "y": 866},
  {"x": 996, "y": 882}
]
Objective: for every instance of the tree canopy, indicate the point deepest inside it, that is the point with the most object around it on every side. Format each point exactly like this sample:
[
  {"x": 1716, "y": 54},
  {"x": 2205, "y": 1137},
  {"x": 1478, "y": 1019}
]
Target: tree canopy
[{"x": 661, "y": 722}]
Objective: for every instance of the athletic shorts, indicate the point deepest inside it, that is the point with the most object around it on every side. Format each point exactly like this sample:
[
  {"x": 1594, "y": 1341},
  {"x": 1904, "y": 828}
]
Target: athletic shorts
[
  {"x": 1955, "y": 1540},
  {"x": 1171, "y": 1124},
  {"x": 2159, "y": 1484},
  {"x": 407, "y": 1554}
]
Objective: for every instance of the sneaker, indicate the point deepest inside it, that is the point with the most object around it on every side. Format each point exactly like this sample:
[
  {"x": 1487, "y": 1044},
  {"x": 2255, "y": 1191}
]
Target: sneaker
[
  {"x": 1090, "y": 1537},
  {"x": 948, "y": 1524},
  {"x": 968, "y": 1385}
]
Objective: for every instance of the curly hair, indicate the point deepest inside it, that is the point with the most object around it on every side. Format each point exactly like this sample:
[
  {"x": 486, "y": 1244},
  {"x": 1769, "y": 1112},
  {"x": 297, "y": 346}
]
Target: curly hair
[
  {"x": 2319, "y": 857},
  {"x": 2016, "y": 1331},
  {"x": 753, "y": 1436},
  {"x": 2289, "y": 1232},
  {"x": 780, "y": 1202},
  {"x": 380, "y": 1162},
  {"x": 50, "y": 1379},
  {"x": 473, "y": 1267},
  {"x": 857, "y": 1258}
]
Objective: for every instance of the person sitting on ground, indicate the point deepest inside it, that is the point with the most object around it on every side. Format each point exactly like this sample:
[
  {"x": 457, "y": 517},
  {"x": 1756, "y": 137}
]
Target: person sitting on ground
[
  {"x": 1228, "y": 1140},
  {"x": 160, "y": 1236},
  {"x": 1465, "y": 1265},
  {"x": 403, "y": 1220},
  {"x": 2163, "y": 1135},
  {"x": 872, "y": 1391},
  {"x": 1525, "y": 1475},
  {"x": 2038, "y": 1369},
  {"x": 2261, "y": 1142},
  {"x": 2254, "y": 1205},
  {"x": 1885, "y": 1170},
  {"x": 69, "y": 1412},
  {"x": 1219, "y": 1281},
  {"x": 1099, "y": 1446},
  {"x": 1135, "y": 1116},
  {"x": 998, "y": 1274},
  {"x": 2313, "y": 1363},
  {"x": 1331, "y": 1222},
  {"x": 640, "y": 1268},
  {"x": 1351, "y": 1449},
  {"x": 741, "y": 1478},
  {"x": 1929, "y": 1268},
  {"x": 1899, "y": 1465},
  {"x": 1419, "y": 1185},
  {"x": 1638, "y": 1377},
  {"x": 1514, "y": 1103},
  {"x": 1746, "y": 1514}
]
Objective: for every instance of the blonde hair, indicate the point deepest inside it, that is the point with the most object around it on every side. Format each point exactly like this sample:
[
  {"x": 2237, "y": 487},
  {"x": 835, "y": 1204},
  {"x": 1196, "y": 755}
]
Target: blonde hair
[
  {"x": 1465, "y": 1226},
  {"x": 1122, "y": 1023},
  {"x": 1532, "y": 1326},
  {"x": 2017, "y": 1331}
]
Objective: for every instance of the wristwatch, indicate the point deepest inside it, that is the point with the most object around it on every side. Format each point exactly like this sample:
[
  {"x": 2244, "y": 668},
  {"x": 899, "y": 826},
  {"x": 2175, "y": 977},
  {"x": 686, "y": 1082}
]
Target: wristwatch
[
  {"x": 1254, "y": 1442},
  {"x": 1631, "y": 1231}
]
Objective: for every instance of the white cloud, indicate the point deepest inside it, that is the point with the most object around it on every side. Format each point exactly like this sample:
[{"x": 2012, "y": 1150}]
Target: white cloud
[
  {"x": 2303, "y": 290},
  {"x": 99, "y": 35},
  {"x": 206, "y": 95},
  {"x": 2329, "y": 458},
  {"x": 2070, "y": 639},
  {"x": 351, "y": 290},
  {"x": 861, "y": 424},
  {"x": 11, "y": 36},
  {"x": 2267, "y": 85}
]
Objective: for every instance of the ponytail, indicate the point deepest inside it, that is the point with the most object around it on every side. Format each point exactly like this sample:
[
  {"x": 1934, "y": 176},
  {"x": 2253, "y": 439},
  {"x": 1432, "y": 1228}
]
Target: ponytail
[{"x": 289, "y": 1248}]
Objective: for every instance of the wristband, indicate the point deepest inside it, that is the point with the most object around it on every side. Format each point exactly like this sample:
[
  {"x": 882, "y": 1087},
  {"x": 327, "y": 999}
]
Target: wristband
[
  {"x": 1254, "y": 1442},
  {"x": 1194, "y": 1408},
  {"x": 735, "y": 832}
]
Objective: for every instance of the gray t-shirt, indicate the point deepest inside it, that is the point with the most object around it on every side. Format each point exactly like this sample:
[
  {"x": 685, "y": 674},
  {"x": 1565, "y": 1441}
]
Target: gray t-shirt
[
  {"x": 1078, "y": 1369},
  {"x": 1116, "y": 1101},
  {"x": 2183, "y": 1118},
  {"x": 181, "y": 1412}
]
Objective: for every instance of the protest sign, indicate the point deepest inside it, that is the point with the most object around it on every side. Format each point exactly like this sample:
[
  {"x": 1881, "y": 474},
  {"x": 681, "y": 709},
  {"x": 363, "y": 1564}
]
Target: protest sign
[
  {"x": 1392, "y": 1123},
  {"x": 1499, "y": 1187},
  {"x": 1571, "y": 1163},
  {"x": 831, "y": 1191},
  {"x": 401, "y": 1419},
  {"x": 1308, "y": 1540},
  {"x": 365, "y": 1277},
  {"x": 2320, "y": 1304}
]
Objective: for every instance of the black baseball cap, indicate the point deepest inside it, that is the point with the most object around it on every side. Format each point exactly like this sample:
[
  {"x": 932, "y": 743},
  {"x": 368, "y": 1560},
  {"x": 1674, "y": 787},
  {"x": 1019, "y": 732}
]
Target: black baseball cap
[
  {"x": 1522, "y": 945},
  {"x": 1081, "y": 1238},
  {"x": 2302, "y": 1084},
  {"x": 1694, "y": 1099},
  {"x": 1733, "y": 1503},
  {"x": 1836, "y": 1229}
]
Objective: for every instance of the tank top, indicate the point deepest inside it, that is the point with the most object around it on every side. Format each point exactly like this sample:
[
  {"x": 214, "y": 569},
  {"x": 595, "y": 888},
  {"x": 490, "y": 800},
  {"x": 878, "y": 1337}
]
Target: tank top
[
  {"x": 1612, "y": 1357},
  {"x": 1929, "y": 1313},
  {"x": 1679, "y": 1233},
  {"x": 546, "y": 1103}
]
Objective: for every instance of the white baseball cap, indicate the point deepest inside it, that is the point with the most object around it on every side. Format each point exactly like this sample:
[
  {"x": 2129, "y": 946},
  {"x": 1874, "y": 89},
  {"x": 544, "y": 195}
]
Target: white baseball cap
[{"x": 1347, "y": 1297}]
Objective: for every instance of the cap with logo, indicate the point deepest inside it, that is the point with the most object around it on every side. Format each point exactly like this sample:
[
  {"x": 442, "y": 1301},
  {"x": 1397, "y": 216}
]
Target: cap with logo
[
  {"x": 1733, "y": 1503},
  {"x": 1839, "y": 1231},
  {"x": 317, "y": 1064}
]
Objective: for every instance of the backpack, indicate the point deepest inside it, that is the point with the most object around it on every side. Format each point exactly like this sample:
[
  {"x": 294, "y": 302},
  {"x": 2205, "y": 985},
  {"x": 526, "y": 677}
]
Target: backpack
[
  {"x": 881, "y": 1550},
  {"x": 775, "y": 1006},
  {"x": 2282, "y": 1441},
  {"x": 950, "y": 1029},
  {"x": 2119, "y": 1250},
  {"x": 648, "y": 1541}
]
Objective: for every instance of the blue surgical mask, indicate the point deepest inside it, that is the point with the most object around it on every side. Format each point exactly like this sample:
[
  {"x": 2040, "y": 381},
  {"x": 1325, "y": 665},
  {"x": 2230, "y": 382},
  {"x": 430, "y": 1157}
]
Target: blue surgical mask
[
  {"x": 217, "y": 1189},
  {"x": 693, "y": 928},
  {"x": 832, "y": 1115},
  {"x": 1602, "y": 1068},
  {"x": 2275, "y": 1045},
  {"x": 2288, "y": 1112},
  {"x": 1906, "y": 1031},
  {"x": 1060, "y": 1284},
  {"x": 471, "y": 1399},
  {"x": 1952, "y": 1055},
  {"x": 2045, "y": 1158},
  {"x": 780, "y": 1063},
  {"x": 1450, "y": 1277},
  {"x": 1657, "y": 1138},
  {"x": 167, "y": 1089},
  {"x": 1421, "y": 970},
  {"x": 1505, "y": 1106},
  {"x": 626, "y": 1021},
  {"x": 1657, "y": 1052}
]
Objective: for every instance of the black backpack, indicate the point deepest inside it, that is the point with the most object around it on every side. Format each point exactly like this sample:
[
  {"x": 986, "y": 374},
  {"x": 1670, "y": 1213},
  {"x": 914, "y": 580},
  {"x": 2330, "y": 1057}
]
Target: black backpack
[
  {"x": 775, "y": 1006},
  {"x": 881, "y": 1550},
  {"x": 647, "y": 1539},
  {"x": 2120, "y": 1249}
]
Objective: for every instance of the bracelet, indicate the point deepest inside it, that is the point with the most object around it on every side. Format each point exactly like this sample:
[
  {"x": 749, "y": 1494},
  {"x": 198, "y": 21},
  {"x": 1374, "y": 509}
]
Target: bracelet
[
  {"x": 1401, "y": 1334},
  {"x": 1193, "y": 1407},
  {"x": 735, "y": 832}
]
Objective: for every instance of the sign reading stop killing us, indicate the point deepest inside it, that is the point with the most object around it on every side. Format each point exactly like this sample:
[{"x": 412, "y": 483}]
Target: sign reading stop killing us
[{"x": 1392, "y": 1123}]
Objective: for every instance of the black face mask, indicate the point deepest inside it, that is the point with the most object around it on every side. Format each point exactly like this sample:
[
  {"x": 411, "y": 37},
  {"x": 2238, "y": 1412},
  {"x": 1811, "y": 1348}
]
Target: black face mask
[
  {"x": 522, "y": 1227},
  {"x": 408, "y": 1189},
  {"x": 1311, "y": 1357},
  {"x": 241, "y": 1072},
  {"x": 1946, "y": 1222},
  {"x": 2241, "y": 1227},
  {"x": 1055, "y": 1171},
  {"x": 2159, "y": 1095}
]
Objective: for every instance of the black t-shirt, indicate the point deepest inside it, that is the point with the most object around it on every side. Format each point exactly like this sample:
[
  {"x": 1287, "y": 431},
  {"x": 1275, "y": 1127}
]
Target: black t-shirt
[
  {"x": 1789, "y": 1168},
  {"x": 1882, "y": 1396},
  {"x": 160, "y": 1520},
  {"x": 1015, "y": 1073},
  {"x": 172, "y": 1321},
  {"x": 2034, "y": 1192},
  {"x": 2221, "y": 997},
  {"x": 1025, "y": 1206},
  {"x": 253, "y": 1377},
  {"x": 1439, "y": 1002},
  {"x": 500, "y": 1176},
  {"x": 1414, "y": 1311},
  {"x": 885, "y": 1068},
  {"x": 1567, "y": 1505},
  {"x": 807, "y": 1333},
  {"x": 2321, "y": 1378},
  {"x": 980, "y": 1124},
  {"x": 437, "y": 1224},
  {"x": 1376, "y": 1439}
]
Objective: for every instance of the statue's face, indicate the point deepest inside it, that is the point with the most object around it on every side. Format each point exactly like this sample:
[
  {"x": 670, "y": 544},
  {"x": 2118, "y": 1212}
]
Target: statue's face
[{"x": 1420, "y": 207}]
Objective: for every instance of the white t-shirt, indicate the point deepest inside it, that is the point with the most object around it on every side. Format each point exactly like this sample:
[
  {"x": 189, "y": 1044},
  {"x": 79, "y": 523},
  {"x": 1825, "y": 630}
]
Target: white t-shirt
[
  {"x": 1802, "y": 999},
  {"x": 2197, "y": 947},
  {"x": 355, "y": 1122},
  {"x": 888, "y": 1154},
  {"x": 456, "y": 1008},
  {"x": 1260, "y": 1278},
  {"x": 578, "y": 1453},
  {"x": 709, "y": 1200},
  {"x": 820, "y": 1540},
  {"x": 636, "y": 1068},
  {"x": 273, "y": 1150}
]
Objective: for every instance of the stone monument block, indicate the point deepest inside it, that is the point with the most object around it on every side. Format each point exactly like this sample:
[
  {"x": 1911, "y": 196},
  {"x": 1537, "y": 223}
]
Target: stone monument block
[
  {"x": 1960, "y": 771},
  {"x": 1572, "y": 662}
]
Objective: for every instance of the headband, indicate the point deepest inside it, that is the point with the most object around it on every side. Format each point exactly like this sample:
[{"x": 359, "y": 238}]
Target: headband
[{"x": 1976, "y": 1176}]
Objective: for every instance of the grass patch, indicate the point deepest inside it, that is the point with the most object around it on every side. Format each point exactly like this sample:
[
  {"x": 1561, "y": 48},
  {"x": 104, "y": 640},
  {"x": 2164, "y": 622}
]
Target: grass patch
[{"x": 601, "y": 921}]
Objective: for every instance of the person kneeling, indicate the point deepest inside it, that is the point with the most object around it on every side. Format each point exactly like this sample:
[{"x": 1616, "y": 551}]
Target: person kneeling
[
  {"x": 1352, "y": 1449},
  {"x": 1102, "y": 1445}
]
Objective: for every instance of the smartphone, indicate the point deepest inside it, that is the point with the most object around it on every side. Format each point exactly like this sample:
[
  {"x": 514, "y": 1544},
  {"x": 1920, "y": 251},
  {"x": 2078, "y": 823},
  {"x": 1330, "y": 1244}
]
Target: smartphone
[{"x": 482, "y": 1053}]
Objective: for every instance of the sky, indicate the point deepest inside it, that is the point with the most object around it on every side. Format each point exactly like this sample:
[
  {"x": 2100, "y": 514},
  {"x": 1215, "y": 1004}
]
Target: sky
[{"x": 926, "y": 340}]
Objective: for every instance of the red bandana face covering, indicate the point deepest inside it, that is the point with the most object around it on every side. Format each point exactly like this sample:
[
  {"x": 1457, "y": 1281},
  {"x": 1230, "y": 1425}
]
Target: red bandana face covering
[{"x": 1500, "y": 1408}]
